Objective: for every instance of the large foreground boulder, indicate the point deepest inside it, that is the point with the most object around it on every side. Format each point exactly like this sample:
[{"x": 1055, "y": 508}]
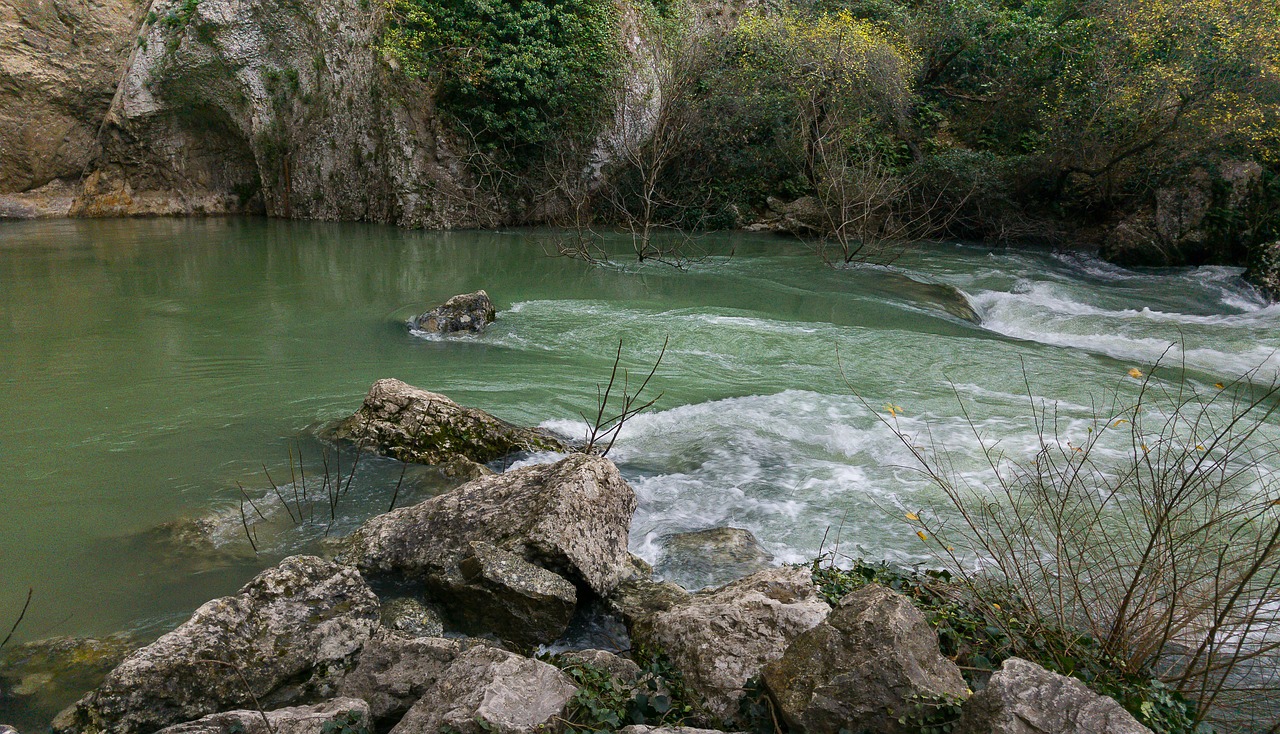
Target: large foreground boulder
[
  {"x": 469, "y": 312},
  {"x": 858, "y": 670},
  {"x": 287, "y": 636},
  {"x": 1024, "y": 698},
  {"x": 572, "y": 517},
  {"x": 722, "y": 638},
  {"x": 394, "y": 671},
  {"x": 488, "y": 690},
  {"x": 339, "y": 715},
  {"x": 414, "y": 425}
]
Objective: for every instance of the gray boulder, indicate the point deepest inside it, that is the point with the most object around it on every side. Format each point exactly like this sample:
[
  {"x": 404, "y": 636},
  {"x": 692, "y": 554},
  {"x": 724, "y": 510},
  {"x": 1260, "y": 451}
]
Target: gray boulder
[
  {"x": 414, "y": 425},
  {"x": 638, "y": 729},
  {"x": 857, "y": 670},
  {"x": 338, "y": 715},
  {"x": 469, "y": 312},
  {"x": 1263, "y": 269},
  {"x": 622, "y": 670},
  {"x": 394, "y": 671},
  {"x": 500, "y": 593},
  {"x": 6, "y": 729},
  {"x": 411, "y": 617},
  {"x": 720, "y": 639},
  {"x": 712, "y": 557},
  {"x": 288, "y": 635},
  {"x": 488, "y": 690},
  {"x": 571, "y": 518},
  {"x": 1024, "y": 698}
]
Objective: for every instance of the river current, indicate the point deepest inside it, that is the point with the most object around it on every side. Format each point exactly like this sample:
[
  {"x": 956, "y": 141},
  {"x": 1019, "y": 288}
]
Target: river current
[{"x": 149, "y": 369}]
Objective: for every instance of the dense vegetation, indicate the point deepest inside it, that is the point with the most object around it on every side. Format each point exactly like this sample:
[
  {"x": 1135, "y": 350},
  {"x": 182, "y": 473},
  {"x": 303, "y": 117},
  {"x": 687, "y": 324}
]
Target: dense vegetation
[{"x": 1000, "y": 119}]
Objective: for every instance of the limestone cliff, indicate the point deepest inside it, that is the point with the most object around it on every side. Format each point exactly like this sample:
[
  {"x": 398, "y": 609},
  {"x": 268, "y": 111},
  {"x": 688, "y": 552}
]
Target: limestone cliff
[
  {"x": 278, "y": 107},
  {"x": 60, "y": 62}
]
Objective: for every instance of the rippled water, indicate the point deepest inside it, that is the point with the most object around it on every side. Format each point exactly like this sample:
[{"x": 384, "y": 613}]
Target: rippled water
[{"x": 147, "y": 367}]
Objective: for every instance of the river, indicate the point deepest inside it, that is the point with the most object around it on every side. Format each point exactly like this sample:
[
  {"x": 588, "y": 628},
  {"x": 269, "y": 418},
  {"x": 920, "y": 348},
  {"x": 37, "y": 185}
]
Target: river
[{"x": 150, "y": 368}]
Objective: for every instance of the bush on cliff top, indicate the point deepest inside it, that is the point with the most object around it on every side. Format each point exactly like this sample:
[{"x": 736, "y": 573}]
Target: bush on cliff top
[{"x": 516, "y": 76}]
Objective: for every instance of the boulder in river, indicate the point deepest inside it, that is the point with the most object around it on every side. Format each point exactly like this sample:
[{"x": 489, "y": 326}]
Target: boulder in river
[
  {"x": 720, "y": 639},
  {"x": 487, "y": 690},
  {"x": 287, "y": 636},
  {"x": 339, "y": 715},
  {"x": 857, "y": 670},
  {"x": 414, "y": 425},
  {"x": 1024, "y": 697},
  {"x": 712, "y": 557},
  {"x": 470, "y": 312},
  {"x": 571, "y": 517}
]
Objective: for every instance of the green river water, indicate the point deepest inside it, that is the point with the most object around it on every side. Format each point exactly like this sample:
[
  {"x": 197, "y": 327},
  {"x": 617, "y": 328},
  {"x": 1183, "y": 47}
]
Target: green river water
[{"x": 147, "y": 367}]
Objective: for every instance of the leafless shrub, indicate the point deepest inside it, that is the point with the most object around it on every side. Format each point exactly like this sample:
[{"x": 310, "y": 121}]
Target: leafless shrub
[
  {"x": 610, "y": 417},
  {"x": 1152, "y": 535}
]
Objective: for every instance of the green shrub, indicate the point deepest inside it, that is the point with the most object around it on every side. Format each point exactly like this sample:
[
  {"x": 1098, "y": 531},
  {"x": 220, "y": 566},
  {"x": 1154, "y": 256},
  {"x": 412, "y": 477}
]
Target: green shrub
[{"x": 517, "y": 76}]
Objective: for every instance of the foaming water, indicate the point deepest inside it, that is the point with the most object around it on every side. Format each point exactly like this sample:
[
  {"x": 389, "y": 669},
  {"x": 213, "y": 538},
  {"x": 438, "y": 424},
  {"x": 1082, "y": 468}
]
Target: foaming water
[{"x": 151, "y": 368}]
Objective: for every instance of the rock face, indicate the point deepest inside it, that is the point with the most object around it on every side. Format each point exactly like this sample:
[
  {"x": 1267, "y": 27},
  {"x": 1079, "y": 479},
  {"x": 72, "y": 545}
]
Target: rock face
[
  {"x": 711, "y": 557},
  {"x": 1263, "y": 269},
  {"x": 470, "y": 312},
  {"x": 245, "y": 105},
  {"x": 491, "y": 690},
  {"x": 1176, "y": 228},
  {"x": 341, "y": 715},
  {"x": 290, "y": 632},
  {"x": 59, "y": 65},
  {"x": 394, "y": 671},
  {"x": 722, "y": 638},
  {"x": 856, "y": 670},
  {"x": 414, "y": 425},
  {"x": 571, "y": 517},
  {"x": 1024, "y": 698}
]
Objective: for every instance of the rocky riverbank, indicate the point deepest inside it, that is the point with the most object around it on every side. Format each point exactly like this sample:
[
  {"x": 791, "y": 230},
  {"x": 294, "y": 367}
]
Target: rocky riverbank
[{"x": 431, "y": 618}]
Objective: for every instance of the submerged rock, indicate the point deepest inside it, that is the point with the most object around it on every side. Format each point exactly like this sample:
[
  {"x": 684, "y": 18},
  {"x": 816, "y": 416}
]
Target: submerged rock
[
  {"x": 287, "y": 635},
  {"x": 414, "y": 425},
  {"x": 470, "y": 312},
  {"x": 857, "y": 670},
  {"x": 487, "y": 690},
  {"x": 711, "y": 557},
  {"x": 722, "y": 638},
  {"x": 571, "y": 517},
  {"x": 1263, "y": 269},
  {"x": 338, "y": 715},
  {"x": 47, "y": 675},
  {"x": 1024, "y": 697}
]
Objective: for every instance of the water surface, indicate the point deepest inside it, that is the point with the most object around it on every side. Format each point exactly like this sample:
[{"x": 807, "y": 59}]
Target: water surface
[{"x": 147, "y": 367}]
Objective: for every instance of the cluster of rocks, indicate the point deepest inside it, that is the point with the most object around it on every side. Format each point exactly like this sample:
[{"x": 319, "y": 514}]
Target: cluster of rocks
[{"x": 484, "y": 574}]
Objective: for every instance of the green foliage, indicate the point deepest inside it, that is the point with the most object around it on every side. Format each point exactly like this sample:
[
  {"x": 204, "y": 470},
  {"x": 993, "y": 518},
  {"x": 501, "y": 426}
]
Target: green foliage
[
  {"x": 518, "y": 76},
  {"x": 931, "y": 714},
  {"x": 346, "y": 722},
  {"x": 182, "y": 15},
  {"x": 604, "y": 703}
]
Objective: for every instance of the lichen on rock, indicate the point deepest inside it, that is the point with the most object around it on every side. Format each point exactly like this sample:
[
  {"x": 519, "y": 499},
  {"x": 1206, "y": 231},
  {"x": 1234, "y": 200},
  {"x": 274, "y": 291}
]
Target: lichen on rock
[{"x": 414, "y": 425}]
